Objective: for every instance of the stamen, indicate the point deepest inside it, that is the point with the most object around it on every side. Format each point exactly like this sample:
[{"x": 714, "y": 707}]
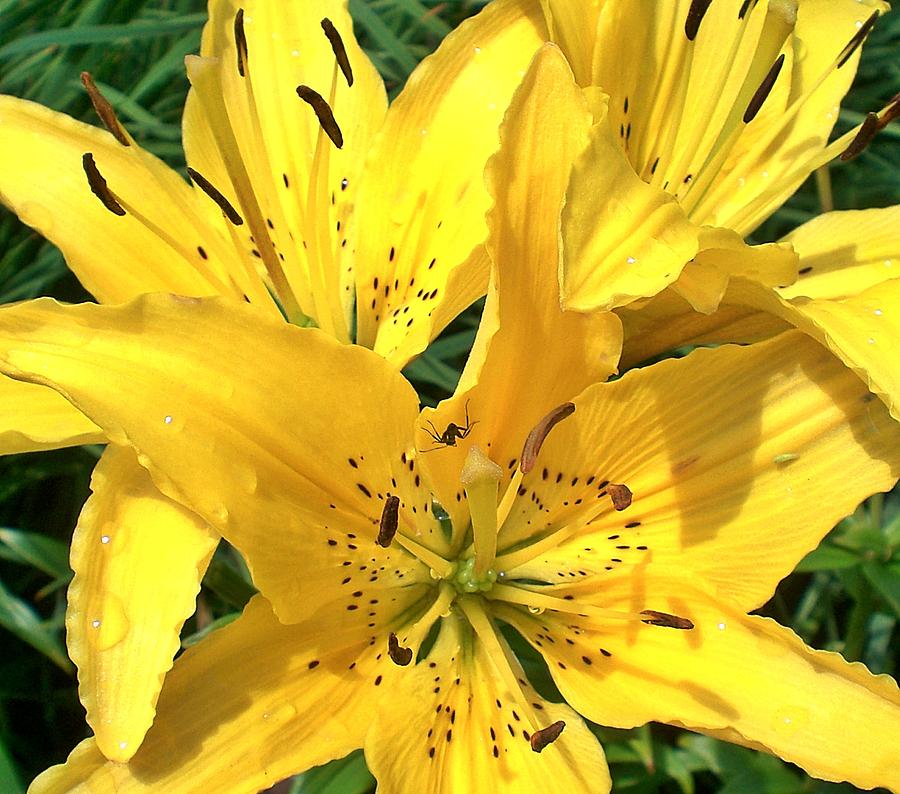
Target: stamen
[
  {"x": 389, "y": 521},
  {"x": 620, "y": 494},
  {"x": 337, "y": 47},
  {"x": 863, "y": 138},
  {"x": 207, "y": 187},
  {"x": 323, "y": 113},
  {"x": 858, "y": 38},
  {"x": 399, "y": 655},
  {"x": 526, "y": 597},
  {"x": 745, "y": 7},
  {"x": 240, "y": 42},
  {"x": 765, "y": 88},
  {"x": 441, "y": 567},
  {"x": 98, "y": 185},
  {"x": 545, "y": 736},
  {"x": 695, "y": 16},
  {"x": 539, "y": 432},
  {"x": 104, "y": 110},
  {"x": 481, "y": 477},
  {"x": 665, "y": 620}
]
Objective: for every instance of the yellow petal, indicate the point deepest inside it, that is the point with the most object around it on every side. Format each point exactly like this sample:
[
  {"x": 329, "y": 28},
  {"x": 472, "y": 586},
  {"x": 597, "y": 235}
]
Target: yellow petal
[
  {"x": 251, "y": 704},
  {"x": 541, "y": 356},
  {"x": 573, "y": 27},
  {"x": 264, "y": 147},
  {"x": 844, "y": 253},
  {"x": 169, "y": 247},
  {"x": 138, "y": 559},
  {"x": 622, "y": 239},
  {"x": 35, "y": 417},
  {"x": 453, "y": 725},
  {"x": 742, "y": 676},
  {"x": 740, "y": 460},
  {"x": 284, "y": 440},
  {"x": 419, "y": 225}
]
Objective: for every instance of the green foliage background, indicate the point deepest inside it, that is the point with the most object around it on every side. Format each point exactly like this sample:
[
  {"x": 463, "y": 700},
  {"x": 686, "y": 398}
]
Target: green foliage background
[{"x": 845, "y": 596}]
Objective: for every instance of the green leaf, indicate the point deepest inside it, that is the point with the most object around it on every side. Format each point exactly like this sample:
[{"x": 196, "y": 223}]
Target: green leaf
[
  {"x": 10, "y": 781},
  {"x": 828, "y": 558},
  {"x": 348, "y": 775},
  {"x": 885, "y": 580},
  {"x": 19, "y": 618},
  {"x": 31, "y": 548}
]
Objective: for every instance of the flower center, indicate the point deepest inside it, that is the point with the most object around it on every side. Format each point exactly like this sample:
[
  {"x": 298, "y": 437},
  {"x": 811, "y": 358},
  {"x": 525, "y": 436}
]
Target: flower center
[{"x": 466, "y": 580}]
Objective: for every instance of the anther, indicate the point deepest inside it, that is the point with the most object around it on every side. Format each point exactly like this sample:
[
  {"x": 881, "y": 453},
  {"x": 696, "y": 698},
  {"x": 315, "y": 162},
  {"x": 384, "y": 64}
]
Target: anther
[
  {"x": 389, "y": 521},
  {"x": 104, "y": 109},
  {"x": 620, "y": 494},
  {"x": 694, "y": 17},
  {"x": 765, "y": 88},
  {"x": 539, "y": 432},
  {"x": 867, "y": 131},
  {"x": 337, "y": 46},
  {"x": 857, "y": 40},
  {"x": 399, "y": 655},
  {"x": 664, "y": 619},
  {"x": 224, "y": 204},
  {"x": 545, "y": 736},
  {"x": 98, "y": 185},
  {"x": 240, "y": 42},
  {"x": 323, "y": 112}
]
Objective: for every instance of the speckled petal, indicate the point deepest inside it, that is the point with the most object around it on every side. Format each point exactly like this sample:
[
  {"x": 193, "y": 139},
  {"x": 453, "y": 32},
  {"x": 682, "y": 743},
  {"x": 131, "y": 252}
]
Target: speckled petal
[
  {"x": 454, "y": 726},
  {"x": 249, "y": 705},
  {"x": 138, "y": 559},
  {"x": 282, "y": 439},
  {"x": 419, "y": 228},
  {"x": 739, "y": 677},
  {"x": 739, "y": 460}
]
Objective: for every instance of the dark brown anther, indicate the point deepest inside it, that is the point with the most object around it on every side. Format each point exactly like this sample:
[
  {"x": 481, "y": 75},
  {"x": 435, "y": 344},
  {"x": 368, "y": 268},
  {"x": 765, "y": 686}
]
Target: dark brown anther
[
  {"x": 98, "y": 185},
  {"x": 694, "y": 17},
  {"x": 539, "y": 433},
  {"x": 765, "y": 88},
  {"x": 323, "y": 112},
  {"x": 858, "y": 38},
  {"x": 399, "y": 655},
  {"x": 620, "y": 494},
  {"x": 104, "y": 109},
  {"x": 864, "y": 137},
  {"x": 224, "y": 204},
  {"x": 240, "y": 42},
  {"x": 540, "y": 739},
  {"x": 665, "y": 620},
  {"x": 337, "y": 46},
  {"x": 389, "y": 521}
]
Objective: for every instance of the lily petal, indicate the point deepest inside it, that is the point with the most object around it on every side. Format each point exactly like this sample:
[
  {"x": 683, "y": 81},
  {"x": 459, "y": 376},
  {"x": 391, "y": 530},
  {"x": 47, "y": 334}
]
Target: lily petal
[
  {"x": 419, "y": 227},
  {"x": 246, "y": 421},
  {"x": 541, "y": 356},
  {"x": 247, "y": 130},
  {"x": 740, "y": 677},
  {"x": 171, "y": 247},
  {"x": 454, "y": 725},
  {"x": 740, "y": 460},
  {"x": 845, "y": 253},
  {"x": 242, "y": 710},
  {"x": 138, "y": 559},
  {"x": 34, "y": 417}
]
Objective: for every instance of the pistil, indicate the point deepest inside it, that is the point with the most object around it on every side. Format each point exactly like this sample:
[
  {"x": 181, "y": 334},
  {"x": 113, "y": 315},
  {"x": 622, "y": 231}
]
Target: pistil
[{"x": 481, "y": 479}]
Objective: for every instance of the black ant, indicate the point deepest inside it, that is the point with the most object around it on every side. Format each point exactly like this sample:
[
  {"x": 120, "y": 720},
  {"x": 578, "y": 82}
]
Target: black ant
[{"x": 451, "y": 435}]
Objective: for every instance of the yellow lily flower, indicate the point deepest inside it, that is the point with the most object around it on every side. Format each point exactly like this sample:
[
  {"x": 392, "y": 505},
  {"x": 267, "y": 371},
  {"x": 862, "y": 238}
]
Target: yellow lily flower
[
  {"x": 311, "y": 195},
  {"x": 723, "y": 109},
  {"x": 624, "y": 529}
]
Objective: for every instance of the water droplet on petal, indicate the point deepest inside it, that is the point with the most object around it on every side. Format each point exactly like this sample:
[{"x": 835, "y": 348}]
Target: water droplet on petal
[
  {"x": 536, "y": 610},
  {"x": 168, "y": 420},
  {"x": 878, "y": 312},
  {"x": 477, "y": 50},
  {"x": 870, "y": 341},
  {"x": 433, "y": 573},
  {"x": 104, "y": 539},
  {"x": 631, "y": 260},
  {"x": 123, "y": 745},
  {"x": 95, "y": 624},
  {"x": 721, "y": 626}
]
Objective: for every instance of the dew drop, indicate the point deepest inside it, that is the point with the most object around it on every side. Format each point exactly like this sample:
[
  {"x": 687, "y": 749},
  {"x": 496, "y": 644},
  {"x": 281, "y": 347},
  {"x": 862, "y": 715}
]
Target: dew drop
[
  {"x": 631, "y": 260},
  {"x": 168, "y": 420},
  {"x": 295, "y": 53},
  {"x": 423, "y": 131},
  {"x": 104, "y": 539},
  {"x": 477, "y": 50},
  {"x": 870, "y": 341},
  {"x": 536, "y": 610},
  {"x": 433, "y": 574},
  {"x": 123, "y": 745},
  {"x": 721, "y": 626},
  {"x": 888, "y": 262},
  {"x": 878, "y": 312},
  {"x": 501, "y": 574},
  {"x": 95, "y": 624}
]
